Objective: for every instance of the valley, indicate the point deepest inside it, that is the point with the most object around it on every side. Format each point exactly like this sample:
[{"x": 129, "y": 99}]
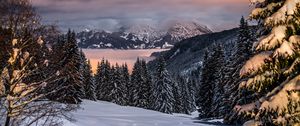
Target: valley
[{"x": 119, "y": 56}]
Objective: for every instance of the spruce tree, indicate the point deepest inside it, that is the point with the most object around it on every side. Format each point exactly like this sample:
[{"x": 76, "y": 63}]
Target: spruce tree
[
  {"x": 241, "y": 54},
  {"x": 126, "y": 82},
  {"x": 204, "y": 101},
  {"x": 103, "y": 82},
  {"x": 98, "y": 83},
  {"x": 273, "y": 72},
  {"x": 72, "y": 78},
  {"x": 178, "y": 105},
  {"x": 136, "y": 79},
  {"x": 190, "y": 103},
  {"x": 118, "y": 92},
  {"x": 211, "y": 86},
  {"x": 162, "y": 89},
  {"x": 88, "y": 79},
  {"x": 217, "y": 62},
  {"x": 143, "y": 88},
  {"x": 141, "y": 83}
]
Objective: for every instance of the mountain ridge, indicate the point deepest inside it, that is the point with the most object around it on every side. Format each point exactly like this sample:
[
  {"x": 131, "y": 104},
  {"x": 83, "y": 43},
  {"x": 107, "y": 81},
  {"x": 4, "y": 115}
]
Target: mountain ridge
[{"x": 140, "y": 36}]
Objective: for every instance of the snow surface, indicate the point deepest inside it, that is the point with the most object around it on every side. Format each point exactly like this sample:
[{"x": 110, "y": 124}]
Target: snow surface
[{"x": 102, "y": 113}]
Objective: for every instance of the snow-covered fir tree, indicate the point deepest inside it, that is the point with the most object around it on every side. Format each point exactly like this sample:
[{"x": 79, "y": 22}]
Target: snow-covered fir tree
[
  {"x": 23, "y": 75},
  {"x": 184, "y": 104},
  {"x": 205, "y": 92},
  {"x": 126, "y": 82},
  {"x": 211, "y": 88},
  {"x": 141, "y": 82},
  {"x": 143, "y": 88},
  {"x": 118, "y": 92},
  {"x": 243, "y": 51},
  {"x": 178, "y": 94},
  {"x": 88, "y": 79},
  {"x": 190, "y": 100},
  {"x": 218, "y": 62},
  {"x": 162, "y": 89},
  {"x": 72, "y": 78},
  {"x": 136, "y": 79},
  {"x": 273, "y": 72},
  {"x": 102, "y": 79}
]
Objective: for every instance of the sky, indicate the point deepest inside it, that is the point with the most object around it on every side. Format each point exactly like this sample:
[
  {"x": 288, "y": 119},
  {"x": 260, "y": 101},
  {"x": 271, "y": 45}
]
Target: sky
[{"x": 113, "y": 14}]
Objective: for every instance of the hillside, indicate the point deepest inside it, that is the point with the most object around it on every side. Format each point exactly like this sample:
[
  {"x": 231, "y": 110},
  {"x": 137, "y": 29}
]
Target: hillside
[{"x": 186, "y": 55}]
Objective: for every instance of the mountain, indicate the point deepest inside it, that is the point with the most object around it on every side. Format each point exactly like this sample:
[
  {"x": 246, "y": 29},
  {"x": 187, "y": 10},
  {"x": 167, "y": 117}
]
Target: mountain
[
  {"x": 186, "y": 55},
  {"x": 141, "y": 36},
  {"x": 144, "y": 32}
]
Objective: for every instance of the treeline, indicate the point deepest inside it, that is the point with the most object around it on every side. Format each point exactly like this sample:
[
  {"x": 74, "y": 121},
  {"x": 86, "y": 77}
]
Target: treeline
[
  {"x": 258, "y": 83},
  {"x": 156, "y": 91},
  {"x": 35, "y": 75},
  {"x": 218, "y": 87}
]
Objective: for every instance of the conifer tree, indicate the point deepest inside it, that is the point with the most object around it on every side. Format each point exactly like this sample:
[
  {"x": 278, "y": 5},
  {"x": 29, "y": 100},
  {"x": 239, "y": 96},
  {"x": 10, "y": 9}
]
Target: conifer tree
[
  {"x": 143, "y": 88},
  {"x": 204, "y": 101},
  {"x": 103, "y": 82},
  {"x": 88, "y": 79},
  {"x": 126, "y": 83},
  {"x": 162, "y": 89},
  {"x": 98, "y": 83},
  {"x": 211, "y": 86},
  {"x": 119, "y": 89},
  {"x": 136, "y": 79},
  {"x": 242, "y": 53},
  {"x": 189, "y": 101},
  {"x": 178, "y": 94},
  {"x": 23, "y": 79},
  {"x": 273, "y": 72},
  {"x": 218, "y": 63},
  {"x": 71, "y": 63}
]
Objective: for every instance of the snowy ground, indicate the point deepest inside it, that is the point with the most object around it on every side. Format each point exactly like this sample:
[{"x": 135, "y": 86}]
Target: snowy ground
[{"x": 108, "y": 114}]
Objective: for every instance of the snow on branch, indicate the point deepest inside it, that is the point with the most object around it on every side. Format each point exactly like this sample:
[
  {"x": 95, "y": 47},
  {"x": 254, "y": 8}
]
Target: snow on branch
[
  {"x": 285, "y": 50},
  {"x": 257, "y": 1},
  {"x": 279, "y": 97},
  {"x": 273, "y": 39},
  {"x": 255, "y": 64},
  {"x": 283, "y": 14},
  {"x": 264, "y": 11}
]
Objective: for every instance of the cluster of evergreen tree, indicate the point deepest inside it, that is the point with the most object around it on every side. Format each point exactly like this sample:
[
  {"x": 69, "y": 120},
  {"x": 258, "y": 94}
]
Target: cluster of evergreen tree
[
  {"x": 172, "y": 95},
  {"x": 111, "y": 83},
  {"x": 258, "y": 86},
  {"x": 35, "y": 73},
  {"x": 158, "y": 91},
  {"x": 74, "y": 70},
  {"x": 218, "y": 87}
]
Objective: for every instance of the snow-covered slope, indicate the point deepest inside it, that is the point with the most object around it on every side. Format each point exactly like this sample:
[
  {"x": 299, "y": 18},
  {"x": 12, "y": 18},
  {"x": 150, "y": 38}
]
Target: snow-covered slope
[
  {"x": 108, "y": 114},
  {"x": 180, "y": 30},
  {"x": 147, "y": 33}
]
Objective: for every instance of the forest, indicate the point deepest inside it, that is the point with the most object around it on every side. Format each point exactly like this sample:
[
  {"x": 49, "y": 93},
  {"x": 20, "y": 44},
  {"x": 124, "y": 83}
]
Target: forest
[{"x": 45, "y": 75}]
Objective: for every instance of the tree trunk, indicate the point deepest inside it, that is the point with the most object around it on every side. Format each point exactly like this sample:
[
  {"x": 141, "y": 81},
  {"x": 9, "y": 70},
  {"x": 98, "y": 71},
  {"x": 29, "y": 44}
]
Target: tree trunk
[{"x": 7, "y": 121}]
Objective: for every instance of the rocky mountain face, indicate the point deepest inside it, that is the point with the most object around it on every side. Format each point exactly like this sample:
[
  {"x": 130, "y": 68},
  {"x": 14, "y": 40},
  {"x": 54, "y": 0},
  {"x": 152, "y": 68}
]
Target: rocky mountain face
[{"x": 141, "y": 36}]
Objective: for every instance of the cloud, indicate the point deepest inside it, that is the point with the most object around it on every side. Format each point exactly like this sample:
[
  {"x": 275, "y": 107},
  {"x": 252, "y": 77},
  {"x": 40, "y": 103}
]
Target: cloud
[{"x": 101, "y": 13}]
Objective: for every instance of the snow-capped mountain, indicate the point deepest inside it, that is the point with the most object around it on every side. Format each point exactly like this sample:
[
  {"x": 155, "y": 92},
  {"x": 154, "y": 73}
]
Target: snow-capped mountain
[
  {"x": 185, "y": 29},
  {"x": 141, "y": 36},
  {"x": 144, "y": 32}
]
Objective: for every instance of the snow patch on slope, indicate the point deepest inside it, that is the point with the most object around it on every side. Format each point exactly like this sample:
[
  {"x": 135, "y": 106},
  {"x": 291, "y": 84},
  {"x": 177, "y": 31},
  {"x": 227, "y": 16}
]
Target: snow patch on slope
[{"x": 108, "y": 114}]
